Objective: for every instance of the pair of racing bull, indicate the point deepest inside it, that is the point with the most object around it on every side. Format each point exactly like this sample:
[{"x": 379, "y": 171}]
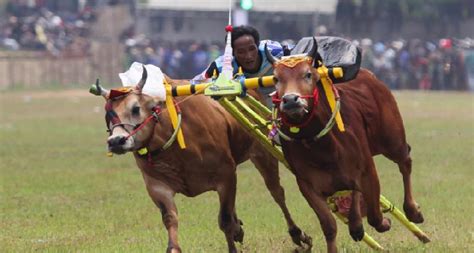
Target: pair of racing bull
[{"x": 216, "y": 144}]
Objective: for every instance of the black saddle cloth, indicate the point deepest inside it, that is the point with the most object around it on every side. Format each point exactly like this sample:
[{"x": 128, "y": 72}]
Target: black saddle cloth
[{"x": 334, "y": 52}]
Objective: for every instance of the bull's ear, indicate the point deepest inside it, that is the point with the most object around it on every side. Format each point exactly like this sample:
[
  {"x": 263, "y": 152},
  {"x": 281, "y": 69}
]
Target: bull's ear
[
  {"x": 142, "y": 81},
  {"x": 153, "y": 102},
  {"x": 98, "y": 90}
]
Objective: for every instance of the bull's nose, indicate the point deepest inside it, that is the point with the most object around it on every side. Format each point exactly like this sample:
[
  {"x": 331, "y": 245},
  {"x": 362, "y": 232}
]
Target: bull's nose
[
  {"x": 290, "y": 98},
  {"x": 116, "y": 141},
  {"x": 290, "y": 101}
]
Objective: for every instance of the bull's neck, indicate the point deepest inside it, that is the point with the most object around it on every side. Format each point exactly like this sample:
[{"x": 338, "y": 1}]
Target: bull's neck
[{"x": 322, "y": 113}]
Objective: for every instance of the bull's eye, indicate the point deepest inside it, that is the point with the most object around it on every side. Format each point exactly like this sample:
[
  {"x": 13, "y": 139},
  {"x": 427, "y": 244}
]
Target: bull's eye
[
  {"x": 308, "y": 76},
  {"x": 275, "y": 80},
  {"x": 136, "y": 110}
]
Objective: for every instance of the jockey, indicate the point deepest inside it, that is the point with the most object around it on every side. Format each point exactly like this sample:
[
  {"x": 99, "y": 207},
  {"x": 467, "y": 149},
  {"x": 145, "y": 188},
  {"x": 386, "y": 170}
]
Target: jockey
[{"x": 249, "y": 54}]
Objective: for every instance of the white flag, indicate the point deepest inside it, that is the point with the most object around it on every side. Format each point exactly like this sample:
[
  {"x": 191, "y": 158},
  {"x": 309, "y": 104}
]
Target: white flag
[{"x": 154, "y": 83}]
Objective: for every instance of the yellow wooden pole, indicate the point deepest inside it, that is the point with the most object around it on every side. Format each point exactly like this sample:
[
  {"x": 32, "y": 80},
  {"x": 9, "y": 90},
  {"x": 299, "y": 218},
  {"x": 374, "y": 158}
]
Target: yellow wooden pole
[
  {"x": 387, "y": 206},
  {"x": 253, "y": 130},
  {"x": 332, "y": 205}
]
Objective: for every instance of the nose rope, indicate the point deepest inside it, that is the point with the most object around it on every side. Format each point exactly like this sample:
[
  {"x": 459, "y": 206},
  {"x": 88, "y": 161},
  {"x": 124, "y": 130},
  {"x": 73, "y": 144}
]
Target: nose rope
[
  {"x": 277, "y": 101},
  {"x": 112, "y": 117},
  {"x": 121, "y": 125},
  {"x": 324, "y": 131},
  {"x": 156, "y": 111}
]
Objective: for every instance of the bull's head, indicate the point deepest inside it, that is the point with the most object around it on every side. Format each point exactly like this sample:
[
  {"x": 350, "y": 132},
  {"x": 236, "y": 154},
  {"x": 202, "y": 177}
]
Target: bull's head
[
  {"x": 295, "y": 81},
  {"x": 126, "y": 109}
]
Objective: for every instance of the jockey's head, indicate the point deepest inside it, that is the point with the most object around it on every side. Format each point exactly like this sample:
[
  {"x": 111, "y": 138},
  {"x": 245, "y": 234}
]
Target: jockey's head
[{"x": 245, "y": 41}]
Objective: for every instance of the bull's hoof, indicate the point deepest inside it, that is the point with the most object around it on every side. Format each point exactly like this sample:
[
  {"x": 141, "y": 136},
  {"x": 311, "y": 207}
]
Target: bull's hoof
[
  {"x": 239, "y": 236},
  {"x": 173, "y": 250},
  {"x": 413, "y": 214},
  {"x": 233, "y": 250},
  {"x": 300, "y": 238},
  {"x": 306, "y": 239},
  {"x": 302, "y": 250},
  {"x": 357, "y": 233},
  {"x": 384, "y": 225}
]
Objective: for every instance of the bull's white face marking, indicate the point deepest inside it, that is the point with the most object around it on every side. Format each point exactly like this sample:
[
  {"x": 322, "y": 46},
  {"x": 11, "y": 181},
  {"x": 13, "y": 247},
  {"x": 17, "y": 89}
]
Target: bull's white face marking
[{"x": 127, "y": 146}]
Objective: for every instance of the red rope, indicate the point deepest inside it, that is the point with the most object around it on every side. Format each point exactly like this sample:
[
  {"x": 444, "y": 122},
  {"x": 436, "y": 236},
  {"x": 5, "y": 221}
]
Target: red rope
[
  {"x": 276, "y": 100},
  {"x": 157, "y": 111}
]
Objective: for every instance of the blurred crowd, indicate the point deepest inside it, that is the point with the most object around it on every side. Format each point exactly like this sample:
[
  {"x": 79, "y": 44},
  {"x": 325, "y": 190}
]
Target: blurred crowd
[
  {"x": 181, "y": 60},
  {"x": 30, "y": 25},
  {"x": 445, "y": 64}
]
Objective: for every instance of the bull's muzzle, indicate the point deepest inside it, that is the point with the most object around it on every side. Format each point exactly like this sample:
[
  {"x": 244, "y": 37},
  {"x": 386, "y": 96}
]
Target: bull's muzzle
[
  {"x": 290, "y": 101},
  {"x": 119, "y": 144},
  {"x": 293, "y": 106}
]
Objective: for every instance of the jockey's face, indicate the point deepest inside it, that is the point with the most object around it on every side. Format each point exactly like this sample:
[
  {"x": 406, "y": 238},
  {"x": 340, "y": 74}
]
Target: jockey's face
[{"x": 246, "y": 53}]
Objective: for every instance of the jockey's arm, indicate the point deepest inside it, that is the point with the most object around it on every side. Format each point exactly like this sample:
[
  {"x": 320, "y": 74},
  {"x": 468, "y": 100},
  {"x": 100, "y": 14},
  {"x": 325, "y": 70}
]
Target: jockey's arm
[{"x": 206, "y": 74}]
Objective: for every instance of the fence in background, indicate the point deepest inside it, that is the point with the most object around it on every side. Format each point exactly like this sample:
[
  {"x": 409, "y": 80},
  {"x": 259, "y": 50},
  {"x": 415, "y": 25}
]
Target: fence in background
[
  {"x": 105, "y": 58},
  {"x": 37, "y": 69}
]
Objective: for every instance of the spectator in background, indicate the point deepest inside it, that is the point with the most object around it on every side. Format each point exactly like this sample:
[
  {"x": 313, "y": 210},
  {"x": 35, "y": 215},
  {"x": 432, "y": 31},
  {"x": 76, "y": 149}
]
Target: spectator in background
[
  {"x": 200, "y": 58},
  {"x": 453, "y": 66},
  {"x": 412, "y": 64},
  {"x": 469, "y": 61},
  {"x": 29, "y": 25},
  {"x": 367, "y": 54}
]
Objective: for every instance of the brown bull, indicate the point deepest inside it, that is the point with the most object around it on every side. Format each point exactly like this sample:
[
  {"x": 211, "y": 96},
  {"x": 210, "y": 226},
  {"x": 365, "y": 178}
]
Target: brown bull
[
  {"x": 341, "y": 160},
  {"x": 216, "y": 144}
]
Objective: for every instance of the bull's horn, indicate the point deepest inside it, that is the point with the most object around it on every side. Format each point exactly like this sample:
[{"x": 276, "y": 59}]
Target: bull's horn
[
  {"x": 313, "y": 52},
  {"x": 98, "y": 90},
  {"x": 270, "y": 57},
  {"x": 142, "y": 81}
]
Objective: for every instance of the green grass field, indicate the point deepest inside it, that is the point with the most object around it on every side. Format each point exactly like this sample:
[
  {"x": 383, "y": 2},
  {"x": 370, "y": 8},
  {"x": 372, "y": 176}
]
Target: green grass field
[{"x": 60, "y": 193}]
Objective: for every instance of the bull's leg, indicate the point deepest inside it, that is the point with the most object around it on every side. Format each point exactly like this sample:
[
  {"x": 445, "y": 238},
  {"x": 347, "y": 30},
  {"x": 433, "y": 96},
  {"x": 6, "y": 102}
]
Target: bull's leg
[
  {"x": 268, "y": 168},
  {"x": 228, "y": 221},
  {"x": 410, "y": 206},
  {"x": 356, "y": 228},
  {"x": 162, "y": 195},
  {"x": 371, "y": 192},
  {"x": 326, "y": 219}
]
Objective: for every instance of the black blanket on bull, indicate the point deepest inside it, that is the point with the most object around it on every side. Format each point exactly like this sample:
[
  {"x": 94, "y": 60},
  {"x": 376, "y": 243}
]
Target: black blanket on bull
[{"x": 334, "y": 52}]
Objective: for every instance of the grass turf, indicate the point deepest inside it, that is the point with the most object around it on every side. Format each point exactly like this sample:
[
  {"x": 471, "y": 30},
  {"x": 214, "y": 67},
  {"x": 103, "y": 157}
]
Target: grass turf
[{"x": 60, "y": 193}]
